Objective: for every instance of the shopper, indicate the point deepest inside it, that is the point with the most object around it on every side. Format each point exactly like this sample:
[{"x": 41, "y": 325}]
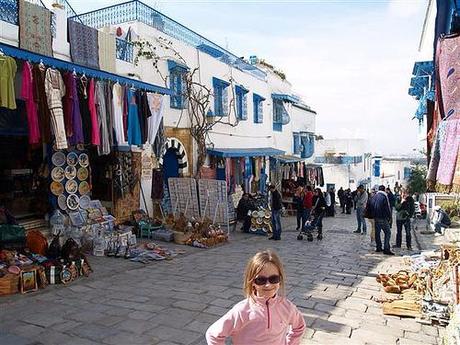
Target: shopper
[
  {"x": 298, "y": 204},
  {"x": 348, "y": 201},
  {"x": 361, "y": 202},
  {"x": 440, "y": 220},
  {"x": 245, "y": 205},
  {"x": 319, "y": 209},
  {"x": 265, "y": 317},
  {"x": 405, "y": 211},
  {"x": 307, "y": 204},
  {"x": 276, "y": 206},
  {"x": 341, "y": 195},
  {"x": 381, "y": 211}
]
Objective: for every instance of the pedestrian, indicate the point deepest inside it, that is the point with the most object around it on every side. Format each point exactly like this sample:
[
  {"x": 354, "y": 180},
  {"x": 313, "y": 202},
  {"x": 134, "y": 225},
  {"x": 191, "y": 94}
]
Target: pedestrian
[
  {"x": 340, "y": 194},
  {"x": 298, "y": 204},
  {"x": 307, "y": 204},
  {"x": 276, "y": 206},
  {"x": 265, "y": 316},
  {"x": 405, "y": 211},
  {"x": 332, "y": 207},
  {"x": 327, "y": 198},
  {"x": 353, "y": 197},
  {"x": 348, "y": 201},
  {"x": 361, "y": 202},
  {"x": 392, "y": 200},
  {"x": 318, "y": 210},
  {"x": 245, "y": 205},
  {"x": 381, "y": 211},
  {"x": 440, "y": 220}
]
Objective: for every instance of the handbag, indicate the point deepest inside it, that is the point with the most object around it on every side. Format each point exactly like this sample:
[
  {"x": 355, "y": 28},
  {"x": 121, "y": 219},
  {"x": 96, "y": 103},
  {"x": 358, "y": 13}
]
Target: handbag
[{"x": 12, "y": 236}]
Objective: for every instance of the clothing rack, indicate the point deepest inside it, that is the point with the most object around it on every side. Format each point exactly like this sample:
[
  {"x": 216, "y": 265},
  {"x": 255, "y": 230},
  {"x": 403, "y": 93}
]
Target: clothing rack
[{"x": 89, "y": 72}]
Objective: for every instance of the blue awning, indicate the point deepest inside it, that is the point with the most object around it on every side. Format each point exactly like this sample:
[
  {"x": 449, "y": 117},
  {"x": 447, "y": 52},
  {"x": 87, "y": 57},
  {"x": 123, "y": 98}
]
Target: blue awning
[
  {"x": 172, "y": 65},
  {"x": 89, "y": 72},
  {"x": 285, "y": 97},
  {"x": 241, "y": 89},
  {"x": 216, "y": 82},
  {"x": 258, "y": 98},
  {"x": 288, "y": 158},
  {"x": 245, "y": 152}
]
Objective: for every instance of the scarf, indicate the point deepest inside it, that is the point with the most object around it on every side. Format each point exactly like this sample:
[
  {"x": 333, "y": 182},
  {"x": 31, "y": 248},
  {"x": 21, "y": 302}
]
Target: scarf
[{"x": 448, "y": 156}]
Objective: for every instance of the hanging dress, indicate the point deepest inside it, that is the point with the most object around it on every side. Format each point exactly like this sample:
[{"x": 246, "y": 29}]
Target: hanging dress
[
  {"x": 134, "y": 130},
  {"x": 95, "y": 134},
  {"x": 104, "y": 147},
  {"x": 84, "y": 109},
  {"x": 42, "y": 103},
  {"x": 27, "y": 94},
  {"x": 55, "y": 90},
  {"x": 117, "y": 106},
  {"x": 8, "y": 69}
]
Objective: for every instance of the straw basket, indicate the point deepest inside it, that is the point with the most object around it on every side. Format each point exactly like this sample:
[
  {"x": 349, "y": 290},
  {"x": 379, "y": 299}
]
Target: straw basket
[
  {"x": 9, "y": 284},
  {"x": 181, "y": 238}
]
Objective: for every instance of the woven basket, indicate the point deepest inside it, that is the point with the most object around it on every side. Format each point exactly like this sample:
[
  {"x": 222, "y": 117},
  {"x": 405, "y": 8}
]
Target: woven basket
[
  {"x": 180, "y": 237},
  {"x": 9, "y": 284}
]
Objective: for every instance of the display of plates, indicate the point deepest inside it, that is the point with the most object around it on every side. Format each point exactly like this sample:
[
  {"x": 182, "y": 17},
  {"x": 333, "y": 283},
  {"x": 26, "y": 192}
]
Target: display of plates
[
  {"x": 57, "y": 174},
  {"x": 268, "y": 214},
  {"x": 72, "y": 158},
  {"x": 73, "y": 201},
  {"x": 58, "y": 159},
  {"x": 259, "y": 221},
  {"x": 255, "y": 213},
  {"x": 71, "y": 187},
  {"x": 82, "y": 173},
  {"x": 83, "y": 159},
  {"x": 70, "y": 172},
  {"x": 261, "y": 214},
  {"x": 62, "y": 202},
  {"x": 84, "y": 202},
  {"x": 83, "y": 188},
  {"x": 56, "y": 188}
]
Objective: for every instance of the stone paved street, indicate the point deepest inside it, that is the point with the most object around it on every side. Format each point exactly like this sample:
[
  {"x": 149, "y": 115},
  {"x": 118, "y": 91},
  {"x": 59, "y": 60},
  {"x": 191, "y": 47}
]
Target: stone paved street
[{"x": 173, "y": 302}]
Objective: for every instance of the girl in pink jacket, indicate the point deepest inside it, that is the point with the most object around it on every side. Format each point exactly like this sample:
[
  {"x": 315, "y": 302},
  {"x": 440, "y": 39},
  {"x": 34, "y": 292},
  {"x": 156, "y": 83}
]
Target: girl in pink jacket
[{"x": 264, "y": 317}]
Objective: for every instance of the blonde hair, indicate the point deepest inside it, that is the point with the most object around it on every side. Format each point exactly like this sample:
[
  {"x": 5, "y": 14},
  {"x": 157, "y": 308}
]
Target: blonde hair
[{"x": 256, "y": 264}]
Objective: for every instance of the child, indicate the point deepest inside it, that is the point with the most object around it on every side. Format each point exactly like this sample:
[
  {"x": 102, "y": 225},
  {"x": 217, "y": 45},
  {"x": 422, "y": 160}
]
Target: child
[{"x": 265, "y": 316}]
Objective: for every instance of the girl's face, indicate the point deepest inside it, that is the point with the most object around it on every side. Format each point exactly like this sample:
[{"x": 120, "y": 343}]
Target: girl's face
[{"x": 269, "y": 289}]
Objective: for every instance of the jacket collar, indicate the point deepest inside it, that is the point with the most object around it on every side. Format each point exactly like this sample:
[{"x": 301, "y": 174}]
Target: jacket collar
[{"x": 263, "y": 300}]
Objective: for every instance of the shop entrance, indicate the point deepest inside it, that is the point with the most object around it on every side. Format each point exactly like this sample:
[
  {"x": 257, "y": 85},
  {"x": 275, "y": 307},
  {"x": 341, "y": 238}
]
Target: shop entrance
[{"x": 170, "y": 164}]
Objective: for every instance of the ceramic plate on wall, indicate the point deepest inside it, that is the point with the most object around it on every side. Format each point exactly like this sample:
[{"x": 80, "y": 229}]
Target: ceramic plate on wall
[
  {"x": 62, "y": 202},
  {"x": 83, "y": 159},
  {"x": 56, "y": 188},
  {"x": 71, "y": 186},
  {"x": 58, "y": 158},
  {"x": 83, "y": 188},
  {"x": 72, "y": 158},
  {"x": 84, "y": 202},
  {"x": 70, "y": 172},
  {"x": 57, "y": 174},
  {"x": 73, "y": 201},
  {"x": 82, "y": 173}
]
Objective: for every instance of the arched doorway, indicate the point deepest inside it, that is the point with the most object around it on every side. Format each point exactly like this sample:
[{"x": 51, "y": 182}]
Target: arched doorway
[{"x": 170, "y": 164}]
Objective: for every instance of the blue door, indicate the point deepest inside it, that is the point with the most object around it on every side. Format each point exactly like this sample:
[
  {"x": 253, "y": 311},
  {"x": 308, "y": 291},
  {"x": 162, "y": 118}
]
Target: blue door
[{"x": 170, "y": 165}]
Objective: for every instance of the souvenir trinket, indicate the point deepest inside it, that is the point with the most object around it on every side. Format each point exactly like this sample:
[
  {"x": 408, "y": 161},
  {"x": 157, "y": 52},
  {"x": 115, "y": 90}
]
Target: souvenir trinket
[
  {"x": 57, "y": 174},
  {"x": 71, "y": 187},
  {"x": 70, "y": 172},
  {"x": 72, "y": 159},
  {"x": 56, "y": 188}
]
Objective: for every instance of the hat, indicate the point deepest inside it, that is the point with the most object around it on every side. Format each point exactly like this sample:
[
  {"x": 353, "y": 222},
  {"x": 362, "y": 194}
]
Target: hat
[
  {"x": 437, "y": 208},
  {"x": 382, "y": 187}
]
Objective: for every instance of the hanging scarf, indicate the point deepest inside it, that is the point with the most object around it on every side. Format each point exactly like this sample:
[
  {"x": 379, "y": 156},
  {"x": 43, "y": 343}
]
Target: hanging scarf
[
  {"x": 448, "y": 157},
  {"x": 435, "y": 156}
]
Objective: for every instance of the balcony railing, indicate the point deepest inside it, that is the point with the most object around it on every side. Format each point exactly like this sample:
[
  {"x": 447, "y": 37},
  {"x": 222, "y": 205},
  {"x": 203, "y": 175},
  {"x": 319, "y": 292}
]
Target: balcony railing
[
  {"x": 9, "y": 11},
  {"x": 138, "y": 11}
]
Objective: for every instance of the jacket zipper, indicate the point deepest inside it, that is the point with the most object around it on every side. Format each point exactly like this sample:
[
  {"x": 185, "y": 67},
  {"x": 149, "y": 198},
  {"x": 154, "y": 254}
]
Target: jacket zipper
[{"x": 268, "y": 313}]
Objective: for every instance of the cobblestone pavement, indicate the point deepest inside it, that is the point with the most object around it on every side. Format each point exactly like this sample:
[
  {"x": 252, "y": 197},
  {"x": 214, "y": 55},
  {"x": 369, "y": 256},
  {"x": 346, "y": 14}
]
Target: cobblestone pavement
[{"x": 173, "y": 302}]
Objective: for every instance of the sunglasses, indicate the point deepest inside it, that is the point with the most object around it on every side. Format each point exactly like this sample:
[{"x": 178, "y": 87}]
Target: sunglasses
[{"x": 261, "y": 280}]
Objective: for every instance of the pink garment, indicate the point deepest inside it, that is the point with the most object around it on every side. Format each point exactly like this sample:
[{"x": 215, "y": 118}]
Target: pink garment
[
  {"x": 95, "y": 133},
  {"x": 258, "y": 321},
  {"x": 449, "y": 150},
  {"x": 27, "y": 94}
]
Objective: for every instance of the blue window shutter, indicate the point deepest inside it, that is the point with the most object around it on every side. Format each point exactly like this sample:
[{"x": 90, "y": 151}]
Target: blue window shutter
[
  {"x": 224, "y": 102},
  {"x": 179, "y": 91},
  {"x": 238, "y": 104},
  {"x": 244, "y": 113},
  {"x": 255, "y": 104},
  {"x": 183, "y": 90}
]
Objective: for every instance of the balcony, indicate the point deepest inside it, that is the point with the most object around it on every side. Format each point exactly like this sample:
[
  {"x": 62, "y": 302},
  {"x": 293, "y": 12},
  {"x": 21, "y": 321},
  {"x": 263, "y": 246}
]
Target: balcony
[
  {"x": 137, "y": 11},
  {"x": 339, "y": 160},
  {"x": 9, "y": 12}
]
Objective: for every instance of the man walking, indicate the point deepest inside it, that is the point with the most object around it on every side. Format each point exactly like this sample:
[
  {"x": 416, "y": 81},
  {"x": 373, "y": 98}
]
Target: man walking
[
  {"x": 340, "y": 194},
  {"x": 276, "y": 206},
  {"x": 381, "y": 210},
  {"x": 405, "y": 211},
  {"x": 361, "y": 201}
]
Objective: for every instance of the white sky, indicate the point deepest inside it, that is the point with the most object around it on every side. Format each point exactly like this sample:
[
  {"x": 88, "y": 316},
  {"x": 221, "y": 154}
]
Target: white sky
[{"x": 350, "y": 59}]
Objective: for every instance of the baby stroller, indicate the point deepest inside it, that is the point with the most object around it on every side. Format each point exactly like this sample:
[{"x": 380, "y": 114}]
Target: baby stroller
[{"x": 312, "y": 225}]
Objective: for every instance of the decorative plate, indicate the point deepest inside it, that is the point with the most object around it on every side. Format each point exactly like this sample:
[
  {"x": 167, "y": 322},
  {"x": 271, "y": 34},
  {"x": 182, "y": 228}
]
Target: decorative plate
[
  {"x": 57, "y": 174},
  {"x": 82, "y": 173},
  {"x": 255, "y": 214},
  {"x": 58, "y": 158},
  {"x": 57, "y": 188},
  {"x": 62, "y": 202},
  {"x": 73, "y": 201},
  {"x": 66, "y": 276},
  {"x": 84, "y": 202},
  {"x": 259, "y": 221},
  {"x": 71, "y": 187},
  {"x": 72, "y": 158},
  {"x": 268, "y": 214},
  {"x": 261, "y": 214},
  {"x": 83, "y": 188},
  {"x": 70, "y": 172},
  {"x": 83, "y": 159}
]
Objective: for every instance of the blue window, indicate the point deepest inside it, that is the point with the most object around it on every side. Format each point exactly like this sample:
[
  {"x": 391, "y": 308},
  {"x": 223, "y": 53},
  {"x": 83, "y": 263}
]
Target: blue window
[
  {"x": 297, "y": 144},
  {"x": 258, "y": 108},
  {"x": 278, "y": 111},
  {"x": 177, "y": 84},
  {"x": 220, "y": 97},
  {"x": 241, "y": 102}
]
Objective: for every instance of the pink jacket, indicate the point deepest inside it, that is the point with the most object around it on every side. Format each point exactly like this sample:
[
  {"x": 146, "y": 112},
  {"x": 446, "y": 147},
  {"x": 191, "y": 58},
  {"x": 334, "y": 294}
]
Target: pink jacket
[{"x": 259, "y": 321}]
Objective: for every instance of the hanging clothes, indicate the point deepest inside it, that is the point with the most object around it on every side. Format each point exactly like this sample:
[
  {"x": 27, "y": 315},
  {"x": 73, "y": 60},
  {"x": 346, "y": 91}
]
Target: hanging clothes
[
  {"x": 95, "y": 134},
  {"x": 142, "y": 109},
  {"x": 84, "y": 108},
  {"x": 436, "y": 156},
  {"x": 68, "y": 105},
  {"x": 155, "y": 102},
  {"x": 104, "y": 147},
  {"x": 108, "y": 88},
  {"x": 8, "y": 70},
  {"x": 118, "y": 126},
  {"x": 77, "y": 125},
  {"x": 448, "y": 155},
  {"x": 55, "y": 90},
  {"x": 27, "y": 94},
  {"x": 159, "y": 140},
  {"x": 125, "y": 112},
  {"x": 42, "y": 102},
  {"x": 134, "y": 131}
]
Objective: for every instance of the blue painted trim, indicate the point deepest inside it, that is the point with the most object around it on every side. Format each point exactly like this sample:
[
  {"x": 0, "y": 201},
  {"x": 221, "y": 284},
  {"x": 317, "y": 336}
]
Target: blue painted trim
[
  {"x": 288, "y": 159},
  {"x": 174, "y": 65},
  {"x": 258, "y": 97},
  {"x": 245, "y": 152},
  {"x": 89, "y": 72},
  {"x": 277, "y": 127},
  {"x": 241, "y": 90},
  {"x": 216, "y": 82},
  {"x": 285, "y": 98}
]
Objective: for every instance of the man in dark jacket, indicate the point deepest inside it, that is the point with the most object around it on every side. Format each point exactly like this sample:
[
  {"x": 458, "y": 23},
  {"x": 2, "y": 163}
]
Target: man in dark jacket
[
  {"x": 381, "y": 211},
  {"x": 341, "y": 194},
  {"x": 245, "y": 205},
  {"x": 276, "y": 206}
]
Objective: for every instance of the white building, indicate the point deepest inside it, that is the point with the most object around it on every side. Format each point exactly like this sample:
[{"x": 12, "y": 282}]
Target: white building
[{"x": 346, "y": 162}]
